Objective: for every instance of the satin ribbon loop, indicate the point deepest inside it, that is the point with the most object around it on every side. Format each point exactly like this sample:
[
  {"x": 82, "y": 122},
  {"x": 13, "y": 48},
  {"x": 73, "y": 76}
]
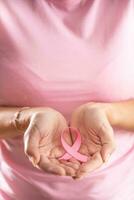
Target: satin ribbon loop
[{"x": 72, "y": 151}]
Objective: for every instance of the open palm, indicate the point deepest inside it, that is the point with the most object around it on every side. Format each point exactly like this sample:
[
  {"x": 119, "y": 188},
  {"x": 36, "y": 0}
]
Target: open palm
[
  {"x": 97, "y": 136},
  {"x": 43, "y": 146}
]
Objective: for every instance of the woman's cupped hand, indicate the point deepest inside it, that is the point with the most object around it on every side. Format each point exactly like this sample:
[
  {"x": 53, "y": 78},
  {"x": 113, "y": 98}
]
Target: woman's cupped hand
[
  {"x": 98, "y": 141},
  {"x": 42, "y": 143}
]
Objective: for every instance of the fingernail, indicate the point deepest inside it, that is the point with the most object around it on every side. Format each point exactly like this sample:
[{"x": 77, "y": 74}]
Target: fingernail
[{"x": 32, "y": 160}]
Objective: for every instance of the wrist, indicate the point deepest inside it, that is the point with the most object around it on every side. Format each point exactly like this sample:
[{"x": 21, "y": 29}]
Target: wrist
[
  {"x": 24, "y": 115},
  {"x": 113, "y": 113},
  {"x": 110, "y": 109},
  {"x": 22, "y": 118}
]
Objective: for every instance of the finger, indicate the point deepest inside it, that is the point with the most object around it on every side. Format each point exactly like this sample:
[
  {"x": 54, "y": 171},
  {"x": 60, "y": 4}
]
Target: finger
[
  {"x": 73, "y": 165},
  {"x": 70, "y": 171},
  {"x": 93, "y": 163},
  {"x": 106, "y": 151},
  {"x": 31, "y": 143},
  {"x": 107, "y": 140},
  {"x": 51, "y": 167},
  {"x": 69, "y": 167},
  {"x": 73, "y": 160}
]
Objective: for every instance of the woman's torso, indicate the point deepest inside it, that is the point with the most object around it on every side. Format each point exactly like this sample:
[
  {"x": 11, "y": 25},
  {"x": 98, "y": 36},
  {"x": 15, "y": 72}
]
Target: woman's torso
[{"x": 64, "y": 55}]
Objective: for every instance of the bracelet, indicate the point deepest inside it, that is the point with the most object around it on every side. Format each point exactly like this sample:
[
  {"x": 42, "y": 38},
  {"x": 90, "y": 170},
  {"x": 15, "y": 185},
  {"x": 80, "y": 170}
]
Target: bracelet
[{"x": 16, "y": 121}]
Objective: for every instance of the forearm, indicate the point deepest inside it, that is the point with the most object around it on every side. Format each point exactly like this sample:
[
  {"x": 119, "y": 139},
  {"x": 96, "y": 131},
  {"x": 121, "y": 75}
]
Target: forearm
[
  {"x": 8, "y": 123},
  {"x": 121, "y": 114}
]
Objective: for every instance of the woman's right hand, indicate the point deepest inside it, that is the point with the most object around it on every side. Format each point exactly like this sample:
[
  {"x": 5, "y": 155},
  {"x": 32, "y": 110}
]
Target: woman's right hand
[{"x": 42, "y": 141}]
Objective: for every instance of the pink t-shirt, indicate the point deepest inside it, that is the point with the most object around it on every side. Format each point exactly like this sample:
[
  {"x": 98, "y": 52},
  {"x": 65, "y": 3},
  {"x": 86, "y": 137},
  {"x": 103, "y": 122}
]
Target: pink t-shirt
[{"x": 61, "y": 54}]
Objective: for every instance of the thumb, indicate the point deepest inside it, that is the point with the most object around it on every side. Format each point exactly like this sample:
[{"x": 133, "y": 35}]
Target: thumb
[
  {"x": 31, "y": 143},
  {"x": 108, "y": 141}
]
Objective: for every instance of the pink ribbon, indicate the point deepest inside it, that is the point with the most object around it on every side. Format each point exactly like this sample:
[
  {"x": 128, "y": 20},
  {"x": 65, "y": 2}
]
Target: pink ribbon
[{"x": 72, "y": 151}]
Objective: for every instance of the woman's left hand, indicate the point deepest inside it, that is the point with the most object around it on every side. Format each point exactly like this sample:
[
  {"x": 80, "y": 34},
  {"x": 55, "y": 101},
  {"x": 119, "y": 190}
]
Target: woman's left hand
[{"x": 97, "y": 135}]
